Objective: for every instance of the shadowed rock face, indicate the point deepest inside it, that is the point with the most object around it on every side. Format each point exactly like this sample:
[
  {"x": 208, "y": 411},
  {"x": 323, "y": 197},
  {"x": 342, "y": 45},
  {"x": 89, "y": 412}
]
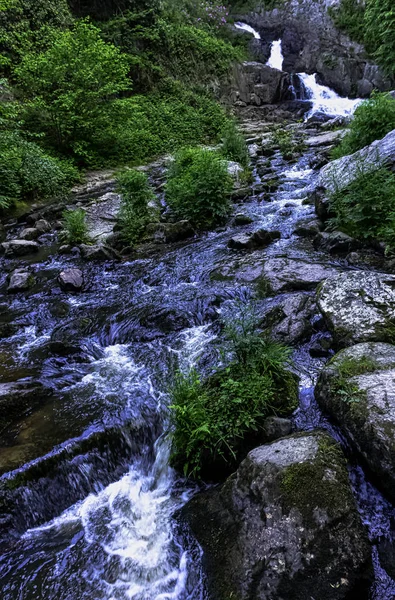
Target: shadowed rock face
[
  {"x": 312, "y": 44},
  {"x": 285, "y": 525},
  {"x": 357, "y": 388}
]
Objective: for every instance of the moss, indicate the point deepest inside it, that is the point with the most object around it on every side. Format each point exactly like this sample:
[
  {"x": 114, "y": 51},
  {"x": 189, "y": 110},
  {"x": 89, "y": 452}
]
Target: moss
[{"x": 320, "y": 484}]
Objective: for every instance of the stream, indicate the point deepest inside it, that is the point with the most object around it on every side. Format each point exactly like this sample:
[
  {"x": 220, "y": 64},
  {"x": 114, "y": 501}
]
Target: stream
[{"x": 98, "y": 523}]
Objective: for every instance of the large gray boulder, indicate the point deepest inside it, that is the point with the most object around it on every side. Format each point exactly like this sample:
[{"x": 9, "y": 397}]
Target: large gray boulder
[
  {"x": 358, "y": 306},
  {"x": 284, "y": 526},
  {"x": 71, "y": 280},
  {"x": 357, "y": 389},
  {"x": 339, "y": 173},
  {"x": 286, "y": 274},
  {"x": 166, "y": 233},
  {"x": 290, "y": 319},
  {"x": 20, "y": 281}
]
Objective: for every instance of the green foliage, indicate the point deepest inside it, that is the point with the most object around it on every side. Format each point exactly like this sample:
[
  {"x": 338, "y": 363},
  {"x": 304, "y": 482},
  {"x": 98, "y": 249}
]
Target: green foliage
[
  {"x": 136, "y": 204},
  {"x": 234, "y": 146},
  {"x": 380, "y": 33},
  {"x": 366, "y": 208},
  {"x": 199, "y": 186},
  {"x": 28, "y": 173},
  {"x": 286, "y": 141},
  {"x": 75, "y": 228},
  {"x": 146, "y": 126},
  {"x": 216, "y": 420},
  {"x": 24, "y": 24},
  {"x": 373, "y": 119},
  {"x": 349, "y": 16},
  {"x": 70, "y": 89}
]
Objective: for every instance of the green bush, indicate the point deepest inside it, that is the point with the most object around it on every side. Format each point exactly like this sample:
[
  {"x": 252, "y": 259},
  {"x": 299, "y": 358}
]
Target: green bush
[
  {"x": 373, "y": 119},
  {"x": 286, "y": 141},
  {"x": 216, "y": 421},
  {"x": 199, "y": 186},
  {"x": 234, "y": 146},
  {"x": 366, "y": 208},
  {"x": 27, "y": 173},
  {"x": 136, "y": 205},
  {"x": 74, "y": 227}
]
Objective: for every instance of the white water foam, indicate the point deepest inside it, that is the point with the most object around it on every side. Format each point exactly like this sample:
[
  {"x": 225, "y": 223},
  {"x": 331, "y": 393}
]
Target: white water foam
[
  {"x": 276, "y": 58},
  {"x": 245, "y": 27},
  {"x": 326, "y": 100}
]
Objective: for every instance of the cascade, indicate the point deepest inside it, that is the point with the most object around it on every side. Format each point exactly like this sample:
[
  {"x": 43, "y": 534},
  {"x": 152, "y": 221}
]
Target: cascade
[
  {"x": 245, "y": 27},
  {"x": 276, "y": 56}
]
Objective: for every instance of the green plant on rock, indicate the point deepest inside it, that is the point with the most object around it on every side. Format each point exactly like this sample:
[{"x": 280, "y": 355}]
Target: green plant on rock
[
  {"x": 373, "y": 119},
  {"x": 217, "y": 420},
  {"x": 286, "y": 141},
  {"x": 234, "y": 146},
  {"x": 75, "y": 229},
  {"x": 365, "y": 209},
  {"x": 138, "y": 206},
  {"x": 199, "y": 187},
  {"x": 379, "y": 33},
  {"x": 349, "y": 16}
]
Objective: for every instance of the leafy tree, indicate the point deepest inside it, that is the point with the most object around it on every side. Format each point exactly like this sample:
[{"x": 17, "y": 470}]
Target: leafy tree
[
  {"x": 380, "y": 33},
  {"x": 70, "y": 88}
]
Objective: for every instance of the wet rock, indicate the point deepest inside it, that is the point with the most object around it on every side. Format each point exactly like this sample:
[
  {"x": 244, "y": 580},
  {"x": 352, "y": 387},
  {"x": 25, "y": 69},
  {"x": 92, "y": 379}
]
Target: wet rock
[
  {"x": 318, "y": 118},
  {"x": 276, "y": 427},
  {"x": 31, "y": 233},
  {"x": 166, "y": 233},
  {"x": 17, "y": 399},
  {"x": 357, "y": 389},
  {"x": 65, "y": 249},
  {"x": 98, "y": 252},
  {"x": 258, "y": 239},
  {"x": 242, "y": 219},
  {"x": 321, "y": 348},
  {"x": 71, "y": 280},
  {"x": 339, "y": 173},
  {"x": 322, "y": 206},
  {"x": 43, "y": 226},
  {"x": 254, "y": 83},
  {"x": 324, "y": 139},
  {"x": 335, "y": 242},
  {"x": 290, "y": 320},
  {"x": 285, "y": 274},
  {"x": 359, "y": 306},
  {"x": 20, "y": 281},
  {"x": 19, "y": 248},
  {"x": 285, "y": 525},
  {"x": 308, "y": 228}
]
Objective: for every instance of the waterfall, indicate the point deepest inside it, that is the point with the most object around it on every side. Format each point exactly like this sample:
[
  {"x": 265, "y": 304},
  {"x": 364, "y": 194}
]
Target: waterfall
[
  {"x": 248, "y": 28},
  {"x": 276, "y": 56},
  {"x": 326, "y": 100}
]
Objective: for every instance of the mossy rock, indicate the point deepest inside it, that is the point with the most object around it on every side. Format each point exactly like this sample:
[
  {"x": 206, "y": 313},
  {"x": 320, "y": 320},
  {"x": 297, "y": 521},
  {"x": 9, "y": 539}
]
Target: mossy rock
[
  {"x": 357, "y": 389},
  {"x": 285, "y": 525}
]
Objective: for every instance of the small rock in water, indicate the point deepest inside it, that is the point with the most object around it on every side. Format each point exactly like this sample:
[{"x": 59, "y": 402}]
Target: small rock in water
[
  {"x": 242, "y": 219},
  {"x": 31, "y": 233},
  {"x": 71, "y": 280},
  {"x": 258, "y": 239},
  {"x": 166, "y": 233},
  {"x": 20, "y": 281}
]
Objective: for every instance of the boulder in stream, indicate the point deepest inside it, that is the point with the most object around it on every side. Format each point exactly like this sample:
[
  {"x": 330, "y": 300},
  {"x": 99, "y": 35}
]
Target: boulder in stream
[
  {"x": 20, "y": 281},
  {"x": 30, "y": 233},
  {"x": 71, "y": 280},
  {"x": 19, "y": 248},
  {"x": 357, "y": 389},
  {"x": 359, "y": 306},
  {"x": 286, "y": 274},
  {"x": 285, "y": 525},
  {"x": 166, "y": 233},
  {"x": 258, "y": 239}
]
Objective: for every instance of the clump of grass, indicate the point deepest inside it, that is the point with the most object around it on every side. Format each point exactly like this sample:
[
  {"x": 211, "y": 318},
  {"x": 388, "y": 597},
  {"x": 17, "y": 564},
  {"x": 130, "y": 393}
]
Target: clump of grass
[
  {"x": 137, "y": 204},
  {"x": 218, "y": 419}
]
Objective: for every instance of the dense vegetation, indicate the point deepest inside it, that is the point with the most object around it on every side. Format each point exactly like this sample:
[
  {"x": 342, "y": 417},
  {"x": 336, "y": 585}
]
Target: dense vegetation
[
  {"x": 366, "y": 208},
  {"x": 373, "y": 119},
  {"x": 93, "y": 83},
  {"x": 371, "y": 22},
  {"x": 217, "y": 420}
]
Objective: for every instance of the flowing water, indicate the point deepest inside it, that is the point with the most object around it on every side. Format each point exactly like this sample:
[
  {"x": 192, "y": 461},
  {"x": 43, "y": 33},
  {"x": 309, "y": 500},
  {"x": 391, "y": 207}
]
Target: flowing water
[{"x": 94, "y": 516}]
